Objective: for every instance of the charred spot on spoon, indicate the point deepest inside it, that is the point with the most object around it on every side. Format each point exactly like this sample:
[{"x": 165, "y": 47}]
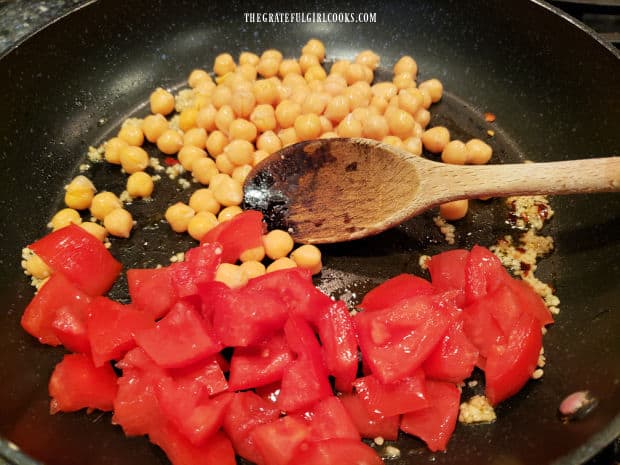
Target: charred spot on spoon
[
  {"x": 577, "y": 406},
  {"x": 351, "y": 167}
]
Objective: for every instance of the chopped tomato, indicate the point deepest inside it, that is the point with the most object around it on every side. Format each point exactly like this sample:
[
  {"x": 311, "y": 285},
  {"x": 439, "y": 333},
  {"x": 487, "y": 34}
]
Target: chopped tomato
[
  {"x": 57, "y": 293},
  {"x": 328, "y": 419},
  {"x": 389, "y": 399},
  {"x": 69, "y": 326},
  {"x": 395, "y": 341},
  {"x": 370, "y": 425},
  {"x": 480, "y": 326},
  {"x": 435, "y": 423},
  {"x": 530, "y": 301},
  {"x": 180, "y": 451},
  {"x": 339, "y": 342},
  {"x": 447, "y": 270},
  {"x": 336, "y": 451},
  {"x": 152, "y": 290},
  {"x": 510, "y": 365},
  {"x": 203, "y": 376},
  {"x": 179, "y": 339},
  {"x": 81, "y": 257},
  {"x": 394, "y": 290},
  {"x": 76, "y": 383},
  {"x": 198, "y": 267},
  {"x": 483, "y": 273},
  {"x": 278, "y": 440},
  {"x": 242, "y": 232},
  {"x": 271, "y": 392}
]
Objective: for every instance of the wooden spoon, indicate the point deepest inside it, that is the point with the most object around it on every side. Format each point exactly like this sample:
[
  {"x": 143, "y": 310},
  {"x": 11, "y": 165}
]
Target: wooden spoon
[{"x": 336, "y": 190}]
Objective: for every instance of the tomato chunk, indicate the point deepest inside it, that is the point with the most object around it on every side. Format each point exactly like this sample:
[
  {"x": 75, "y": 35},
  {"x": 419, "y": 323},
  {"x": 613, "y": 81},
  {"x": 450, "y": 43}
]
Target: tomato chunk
[
  {"x": 447, "y": 270},
  {"x": 278, "y": 440},
  {"x": 389, "y": 399},
  {"x": 480, "y": 326},
  {"x": 198, "y": 267},
  {"x": 242, "y": 232},
  {"x": 81, "y": 257},
  {"x": 152, "y": 290},
  {"x": 530, "y": 300},
  {"x": 435, "y": 423},
  {"x": 394, "y": 290},
  {"x": 180, "y": 451},
  {"x": 203, "y": 376},
  {"x": 370, "y": 425},
  {"x": 179, "y": 339},
  {"x": 483, "y": 273},
  {"x": 329, "y": 419},
  {"x": 336, "y": 451},
  {"x": 76, "y": 383},
  {"x": 69, "y": 326}
]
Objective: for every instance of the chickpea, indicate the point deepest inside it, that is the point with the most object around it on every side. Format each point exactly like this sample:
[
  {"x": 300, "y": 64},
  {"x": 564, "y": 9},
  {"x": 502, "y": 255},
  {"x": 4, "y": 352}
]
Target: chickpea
[
  {"x": 354, "y": 73},
  {"x": 361, "y": 113},
  {"x": 340, "y": 67},
  {"x": 277, "y": 243},
  {"x": 248, "y": 71},
  {"x": 349, "y": 127},
  {"x": 178, "y": 216},
  {"x": 380, "y": 103},
  {"x": 413, "y": 145},
  {"x": 36, "y": 267},
  {"x": 268, "y": 67},
  {"x": 80, "y": 193},
  {"x": 356, "y": 98},
  {"x": 308, "y": 257},
  {"x": 224, "y": 63},
  {"x": 203, "y": 169},
  {"x": 161, "y": 101},
  {"x": 436, "y": 139},
  {"x": 455, "y": 210},
  {"x": 132, "y": 134},
  {"x": 269, "y": 142},
  {"x": 242, "y": 129},
  {"x": 170, "y": 142},
  {"x": 140, "y": 184},
  {"x": 225, "y": 115},
  {"x": 248, "y": 58},
  {"x": 265, "y": 91},
  {"x": 406, "y": 64},
  {"x": 242, "y": 103},
  {"x": 289, "y": 66},
  {"x": 387, "y": 90},
  {"x": 134, "y": 159},
  {"x": 205, "y": 89},
  {"x": 314, "y": 103},
  {"x": 326, "y": 124},
  {"x": 427, "y": 99},
  {"x": 400, "y": 122},
  {"x": 254, "y": 254},
  {"x": 294, "y": 80},
  {"x": 308, "y": 126},
  {"x": 328, "y": 135},
  {"x": 394, "y": 141},
  {"x": 216, "y": 142},
  {"x": 314, "y": 47},
  {"x": 231, "y": 275},
  {"x": 200, "y": 224},
  {"x": 403, "y": 81},
  {"x": 264, "y": 118},
  {"x": 334, "y": 84},
  {"x": 187, "y": 118},
  {"x": 113, "y": 148},
  {"x": 478, "y": 152},
  {"x": 253, "y": 269},
  {"x": 434, "y": 88},
  {"x": 286, "y": 112},
  {"x": 226, "y": 190},
  {"x": 228, "y": 213},
  {"x": 239, "y": 152},
  {"x": 408, "y": 102},
  {"x": 315, "y": 73},
  {"x": 223, "y": 164},
  {"x": 197, "y": 77},
  {"x": 95, "y": 229},
  {"x": 118, "y": 222},
  {"x": 188, "y": 155},
  {"x": 299, "y": 94},
  {"x": 375, "y": 127},
  {"x": 222, "y": 95},
  {"x": 103, "y": 203},
  {"x": 288, "y": 136},
  {"x": 240, "y": 173},
  {"x": 422, "y": 117},
  {"x": 368, "y": 58},
  {"x": 455, "y": 153},
  {"x": 260, "y": 155},
  {"x": 281, "y": 264},
  {"x": 203, "y": 200},
  {"x": 153, "y": 126},
  {"x": 206, "y": 118},
  {"x": 65, "y": 217},
  {"x": 306, "y": 61}
]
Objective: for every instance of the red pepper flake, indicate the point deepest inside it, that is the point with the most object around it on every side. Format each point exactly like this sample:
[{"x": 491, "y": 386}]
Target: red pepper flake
[
  {"x": 169, "y": 161},
  {"x": 489, "y": 117}
]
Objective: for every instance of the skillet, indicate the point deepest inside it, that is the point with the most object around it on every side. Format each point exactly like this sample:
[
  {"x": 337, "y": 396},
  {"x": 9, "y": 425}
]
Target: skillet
[{"x": 552, "y": 85}]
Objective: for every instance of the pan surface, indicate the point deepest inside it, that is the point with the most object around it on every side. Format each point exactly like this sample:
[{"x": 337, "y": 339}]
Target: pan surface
[{"x": 553, "y": 88}]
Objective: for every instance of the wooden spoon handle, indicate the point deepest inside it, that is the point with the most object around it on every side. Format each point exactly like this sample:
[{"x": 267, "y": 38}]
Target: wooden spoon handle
[{"x": 561, "y": 177}]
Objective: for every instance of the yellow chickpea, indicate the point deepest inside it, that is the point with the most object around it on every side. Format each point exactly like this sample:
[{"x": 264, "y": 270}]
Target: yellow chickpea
[
  {"x": 394, "y": 141},
  {"x": 422, "y": 117},
  {"x": 281, "y": 264},
  {"x": 288, "y": 136},
  {"x": 248, "y": 58},
  {"x": 269, "y": 142},
  {"x": 337, "y": 108},
  {"x": 455, "y": 210},
  {"x": 224, "y": 63},
  {"x": 356, "y": 97},
  {"x": 240, "y": 173},
  {"x": 315, "y": 103},
  {"x": 254, "y": 254},
  {"x": 36, "y": 267},
  {"x": 379, "y": 103},
  {"x": 478, "y": 152},
  {"x": 103, "y": 203},
  {"x": 315, "y": 73},
  {"x": 203, "y": 200},
  {"x": 95, "y": 229},
  {"x": 329, "y": 135},
  {"x": 140, "y": 184},
  {"x": 404, "y": 81},
  {"x": 228, "y": 213},
  {"x": 65, "y": 217},
  {"x": 314, "y": 47},
  {"x": 188, "y": 155},
  {"x": 205, "y": 89},
  {"x": 203, "y": 169},
  {"x": 132, "y": 134},
  {"x": 206, "y": 118},
  {"x": 187, "y": 118},
  {"x": 264, "y": 118},
  {"x": 272, "y": 54},
  {"x": 225, "y": 116},
  {"x": 79, "y": 193},
  {"x": 340, "y": 67},
  {"x": 243, "y": 103},
  {"x": 134, "y": 159},
  {"x": 334, "y": 84},
  {"x": 375, "y": 127},
  {"x": 294, "y": 80},
  {"x": 308, "y": 126},
  {"x": 326, "y": 124},
  {"x": 260, "y": 155},
  {"x": 426, "y": 96},
  {"x": 153, "y": 126},
  {"x": 413, "y": 145},
  {"x": 406, "y": 64},
  {"x": 216, "y": 142},
  {"x": 349, "y": 127},
  {"x": 455, "y": 153},
  {"x": 196, "y": 137},
  {"x": 409, "y": 102},
  {"x": 198, "y": 76},
  {"x": 286, "y": 112},
  {"x": 239, "y": 152},
  {"x": 299, "y": 94},
  {"x": 289, "y": 66},
  {"x": 242, "y": 129},
  {"x": 226, "y": 190},
  {"x": 113, "y": 148},
  {"x": 435, "y": 139},
  {"x": 231, "y": 275},
  {"x": 308, "y": 257},
  {"x": 178, "y": 216},
  {"x": 248, "y": 71},
  {"x": 118, "y": 222},
  {"x": 200, "y": 224},
  {"x": 400, "y": 122},
  {"x": 277, "y": 244},
  {"x": 306, "y": 61},
  {"x": 253, "y": 269},
  {"x": 265, "y": 91},
  {"x": 368, "y": 58},
  {"x": 268, "y": 67},
  {"x": 223, "y": 164},
  {"x": 354, "y": 73},
  {"x": 161, "y": 101},
  {"x": 170, "y": 142},
  {"x": 222, "y": 95},
  {"x": 434, "y": 88}
]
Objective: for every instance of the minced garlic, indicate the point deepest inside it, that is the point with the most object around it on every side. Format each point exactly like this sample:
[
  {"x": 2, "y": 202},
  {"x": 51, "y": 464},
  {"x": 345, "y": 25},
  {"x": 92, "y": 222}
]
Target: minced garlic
[{"x": 476, "y": 410}]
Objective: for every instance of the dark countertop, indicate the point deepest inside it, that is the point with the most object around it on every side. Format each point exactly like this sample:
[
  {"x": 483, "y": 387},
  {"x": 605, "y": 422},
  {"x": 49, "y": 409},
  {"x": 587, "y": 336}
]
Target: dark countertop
[{"x": 19, "y": 18}]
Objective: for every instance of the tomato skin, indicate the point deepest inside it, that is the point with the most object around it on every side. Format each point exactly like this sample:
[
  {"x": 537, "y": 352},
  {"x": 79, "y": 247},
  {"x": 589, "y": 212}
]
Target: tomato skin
[
  {"x": 179, "y": 339},
  {"x": 76, "y": 383},
  {"x": 204, "y": 377},
  {"x": 530, "y": 301},
  {"x": 69, "y": 326},
  {"x": 483, "y": 273},
  {"x": 152, "y": 290},
  {"x": 509, "y": 366},
  {"x": 278, "y": 440},
  {"x": 480, "y": 326},
  {"x": 81, "y": 257},
  {"x": 242, "y": 232},
  {"x": 336, "y": 451},
  {"x": 58, "y": 292},
  {"x": 435, "y": 424},
  {"x": 395, "y": 341},
  {"x": 339, "y": 342},
  {"x": 180, "y": 451},
  {"x": 394, "y": 290},
  {"x": 389, "y": 399},
  {"x": 447, "y": 270},
  {"x": 198, "y": 267},
  {"x": 370, "y": 426},
  {"x": 328, "y": 419}
]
